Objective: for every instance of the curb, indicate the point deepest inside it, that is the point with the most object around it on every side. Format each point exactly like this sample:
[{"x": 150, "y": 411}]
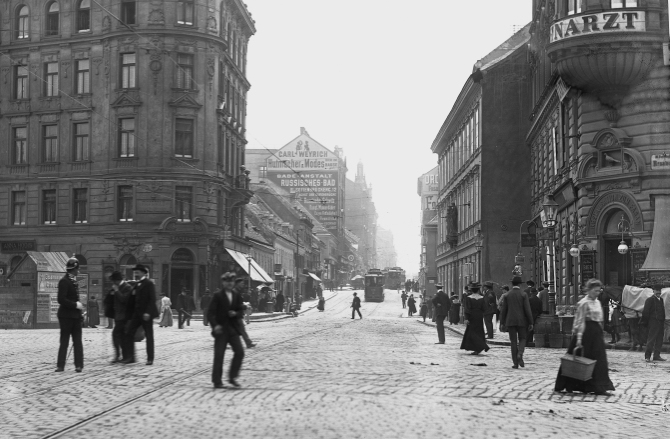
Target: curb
[{"x": 288, "y": 315}]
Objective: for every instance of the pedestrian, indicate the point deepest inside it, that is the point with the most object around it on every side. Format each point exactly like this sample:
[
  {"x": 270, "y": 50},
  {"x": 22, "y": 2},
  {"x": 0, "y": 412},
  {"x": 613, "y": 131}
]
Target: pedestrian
[
  {"x": 205, "y": 300},
  {"x": 69, "y": 317},
  {"x": 638, "y": 333},
  {"x": 517, "y": 318},
  {"x": 143, "y": 312},
  {"x": 121, "y": 292},
  {"x": 587, "y": 337},
  {"x": 356, "y": 307},
  {"x": 653, "y": 317},
  {"x": 490, "y": 307},
  {"x": 279, "y": 305},
  {"x": 239, "y": 289},
  {"x": 442, "y": 305},
  {"x": 93, "y": 312},
  {"x": 165, "y": 318},
  {"x": 223, "y": 315},
  {"x": 403, "y": 297},
  {"x": 322, "y": 304},
  {"x": 423, "y": 308},
  {"x": 182, "y": 308},
  {"x": 617, "y": 322},
  {"x": 543, "y": 295},
  {"x": 455, "y": 310},
  {"x": 411, "y": 305},
  {"x": 474, "y": 338},
  {"x": 535, "y": 310},
  {"x": 191, "y": 307}
]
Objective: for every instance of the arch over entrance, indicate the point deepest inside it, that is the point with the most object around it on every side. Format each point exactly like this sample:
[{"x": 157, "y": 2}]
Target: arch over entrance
[
  {"x": 614, "y": 200},
  {"x": 126, "y": 264},
  {"x": 615, "y": 268}
]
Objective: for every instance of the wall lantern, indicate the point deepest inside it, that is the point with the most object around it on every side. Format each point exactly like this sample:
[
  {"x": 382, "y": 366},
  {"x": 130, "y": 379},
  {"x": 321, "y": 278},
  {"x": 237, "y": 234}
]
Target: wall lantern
[
  {"x": 574, "y": 251},
  {"x": 623, "y": 227},
  {"x": 549, "y": 208}
]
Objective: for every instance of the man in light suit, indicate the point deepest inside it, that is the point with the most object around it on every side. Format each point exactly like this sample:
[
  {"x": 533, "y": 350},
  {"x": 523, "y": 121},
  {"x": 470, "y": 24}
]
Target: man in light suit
[
  {"x": 517, "y": 317},
  {"x": 223, "y": 315}
]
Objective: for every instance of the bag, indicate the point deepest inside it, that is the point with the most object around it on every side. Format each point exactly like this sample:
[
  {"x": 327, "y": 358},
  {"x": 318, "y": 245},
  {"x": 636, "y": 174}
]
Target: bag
[
  {"x": 139, "y": 334},
  {"x": 579, "y": 368},
  {"x": 108, "y": 305}
]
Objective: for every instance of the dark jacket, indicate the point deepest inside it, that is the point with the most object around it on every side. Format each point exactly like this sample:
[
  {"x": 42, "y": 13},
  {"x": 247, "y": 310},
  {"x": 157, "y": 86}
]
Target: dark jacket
[
  {"x": 490, "y": 303},
  {"x": 535, "y": 306},
  {"x": 121, "y": 301},
  {"x": 280, "y": 299},
  {"x": 442, "y": 303},
  {"x": 144, "y": 300},
  {"x": 182, "y": 302},
  {"x": 205, "y": 301},
  {"x": 356, "y": 303},
  {"x": 516, "y": 309},
  {"x": 191, "y": 303},
  {"x": 654, "y": 309},
  {"x": 68, "y": 296},
  {"x": 218, "y": 312}
]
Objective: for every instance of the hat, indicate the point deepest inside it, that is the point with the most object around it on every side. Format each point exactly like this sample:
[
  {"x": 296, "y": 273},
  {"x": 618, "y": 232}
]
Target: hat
[
  {"x": 72, "y": 264},
  {"x": 488, "y": 283},
  {"x": 354, "y": 294},
  {"x": 116, "y": 275},
  {"x": 530, "y": 283},
  {"x": 518, "y": 280},
  {"x": 140, "y": 267},
  {"x": 475, "y": 285},
  {"x": 439, "y": 286},
  {"x": 240, "y": 279},
  {"x": 228, "y": 276}
]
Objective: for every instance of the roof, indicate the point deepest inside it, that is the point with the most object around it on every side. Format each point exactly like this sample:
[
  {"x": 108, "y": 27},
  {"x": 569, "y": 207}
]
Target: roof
[{"x": 521, "y": 38}]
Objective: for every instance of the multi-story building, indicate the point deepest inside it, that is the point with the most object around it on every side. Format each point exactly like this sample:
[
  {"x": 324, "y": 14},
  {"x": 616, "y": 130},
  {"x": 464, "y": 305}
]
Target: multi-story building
[
  {"x": 361, "y": 218},
  {"x": 599, "y": 140},
  {"x": 386, "y": 252},
  {"x": 483, "y": 170},
  {"x": 123, "y": 127},
  {"x": 428, "y": 189}
]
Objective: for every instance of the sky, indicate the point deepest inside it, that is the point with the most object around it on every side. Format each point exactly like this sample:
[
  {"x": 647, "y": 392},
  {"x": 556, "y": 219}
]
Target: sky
[{"x": 376, "y": 78}]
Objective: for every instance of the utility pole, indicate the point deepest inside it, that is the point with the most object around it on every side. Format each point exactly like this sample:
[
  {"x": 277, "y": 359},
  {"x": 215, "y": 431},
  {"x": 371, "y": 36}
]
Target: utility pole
[{"x": 297, "y": 272}]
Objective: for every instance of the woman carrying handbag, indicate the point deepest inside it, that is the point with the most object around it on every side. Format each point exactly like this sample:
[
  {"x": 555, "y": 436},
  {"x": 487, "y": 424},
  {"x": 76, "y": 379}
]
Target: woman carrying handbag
[{"x": 588, "y": 339}]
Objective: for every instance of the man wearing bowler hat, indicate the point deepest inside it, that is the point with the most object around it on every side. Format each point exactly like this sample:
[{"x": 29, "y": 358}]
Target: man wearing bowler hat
[
  {"x": 142, "y": 313},
  {"x": 442, "y": 304},
  {"x": 517, "y": 317},
  {"x": 490, "y": 307}
]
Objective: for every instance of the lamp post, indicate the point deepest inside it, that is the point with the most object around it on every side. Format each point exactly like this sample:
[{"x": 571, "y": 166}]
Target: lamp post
[
  {"x": 623, "y": 227},
  {"x": 479, "y": 245},
  {"x": 249, "y": 272},
  {"x": 549, "y": 209}
]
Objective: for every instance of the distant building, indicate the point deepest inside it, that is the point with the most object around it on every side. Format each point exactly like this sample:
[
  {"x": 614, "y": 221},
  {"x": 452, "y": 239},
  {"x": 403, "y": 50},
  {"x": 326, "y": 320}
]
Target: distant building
[
  {"x": 386, "y": 252},
  {"x": 428, "y": 189},
  {"x": 361, "y": 218}
]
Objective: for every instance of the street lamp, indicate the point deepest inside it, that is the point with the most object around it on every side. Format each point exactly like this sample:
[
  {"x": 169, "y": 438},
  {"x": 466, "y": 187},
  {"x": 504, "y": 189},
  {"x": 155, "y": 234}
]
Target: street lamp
[
  {"x": 249, "y": 272},
  {"x": 549, "y": 208},
  {"x": 479, "y": 245},
  {"x": 623, "y": 227}
]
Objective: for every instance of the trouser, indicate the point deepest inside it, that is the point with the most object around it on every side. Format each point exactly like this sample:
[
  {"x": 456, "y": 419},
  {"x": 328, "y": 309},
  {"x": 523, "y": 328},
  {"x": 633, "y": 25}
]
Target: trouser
[
  {"x": 517, "y": 351},
  {"x": 70, "y": 328},
  {"x": 440, "y": 328},
  {"x": 654, "y": 339},
  {"x": 243, "y": 332},
  {"x": 488, "y": 321},
  {"x": 220, "y": 343},
  {"x": 354, "y": 311},
  {"x": 637, "y": 336},
  {"x": 119, "y": 339},
  {"x": 205, "y": 320},
  {"x": 131, "y": 328},
  {"x": 403, "y": 303},
  {"x": 183, "y": 317}
]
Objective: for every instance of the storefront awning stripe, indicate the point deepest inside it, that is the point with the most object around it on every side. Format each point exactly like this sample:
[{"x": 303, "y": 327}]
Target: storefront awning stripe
[
  {"x": 257, "y": 273},
  {"x": 314, "y": 276}
]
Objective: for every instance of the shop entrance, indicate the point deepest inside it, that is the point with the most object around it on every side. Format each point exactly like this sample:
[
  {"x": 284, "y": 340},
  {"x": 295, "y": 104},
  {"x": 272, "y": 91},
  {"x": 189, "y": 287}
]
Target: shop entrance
[
  {"x": 181, "y": 273},
  {"x": 617, "y": 266}
]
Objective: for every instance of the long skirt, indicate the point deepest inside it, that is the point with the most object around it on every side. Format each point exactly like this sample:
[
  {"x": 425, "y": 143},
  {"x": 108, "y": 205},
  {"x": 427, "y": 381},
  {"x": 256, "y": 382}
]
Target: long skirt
[
  {"x": 166, "y": 318},
  {"x": 474, "y": 338},
  {"x": 455, "y": 314},
  {"x": 594, "y": 348}
]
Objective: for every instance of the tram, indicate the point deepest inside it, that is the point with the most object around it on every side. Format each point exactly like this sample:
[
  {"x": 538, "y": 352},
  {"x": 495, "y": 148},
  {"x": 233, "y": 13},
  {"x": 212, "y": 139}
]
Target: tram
[
  {"x": 395, "y": 278},
  {"x": 374, "y": 286}
]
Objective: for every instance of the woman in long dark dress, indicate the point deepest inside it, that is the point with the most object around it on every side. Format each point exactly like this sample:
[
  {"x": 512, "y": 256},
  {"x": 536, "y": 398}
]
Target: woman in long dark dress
[
  {"x": 588, "y": 338},
  {"x": 455, "y": 310},
  {"x": 474, "y": 338},
  {"x": 411, "y": 305}
]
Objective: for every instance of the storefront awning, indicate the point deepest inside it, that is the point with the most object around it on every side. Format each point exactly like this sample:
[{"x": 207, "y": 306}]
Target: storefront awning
[
  {"x": 257, "y": 273},
  {"x": 314, "y": 276},
  {"x": 658, "y": 258},
  {"x": 49, "y": 261}
]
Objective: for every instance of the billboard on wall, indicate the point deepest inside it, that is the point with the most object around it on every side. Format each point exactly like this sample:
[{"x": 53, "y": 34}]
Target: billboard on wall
[
  {"x": 311, "y": 172},
  {"x": 428, "y": 189}
]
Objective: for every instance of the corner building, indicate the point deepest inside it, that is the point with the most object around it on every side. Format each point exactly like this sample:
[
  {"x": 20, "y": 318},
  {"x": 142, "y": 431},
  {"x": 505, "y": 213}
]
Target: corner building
[
  {"x": 123, "y": 135},
  {"x": 599, "y": 140}
]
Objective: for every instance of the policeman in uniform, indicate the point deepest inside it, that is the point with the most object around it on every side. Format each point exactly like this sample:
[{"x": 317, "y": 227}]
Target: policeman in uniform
[{"x": 69, "y": 317}]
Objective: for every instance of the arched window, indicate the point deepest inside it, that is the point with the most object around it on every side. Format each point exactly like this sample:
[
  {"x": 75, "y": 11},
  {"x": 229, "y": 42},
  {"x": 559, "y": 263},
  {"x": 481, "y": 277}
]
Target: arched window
[
  {"x": 84, "y": 16},
  {"x": 22, "y": 22},
  {"x": 53, "y": 19},
  {"x": 82, "y": 260}
]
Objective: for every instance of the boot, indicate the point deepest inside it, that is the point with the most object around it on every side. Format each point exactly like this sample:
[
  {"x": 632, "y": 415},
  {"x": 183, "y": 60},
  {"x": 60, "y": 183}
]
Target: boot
[{"x": 520, "y": 355}]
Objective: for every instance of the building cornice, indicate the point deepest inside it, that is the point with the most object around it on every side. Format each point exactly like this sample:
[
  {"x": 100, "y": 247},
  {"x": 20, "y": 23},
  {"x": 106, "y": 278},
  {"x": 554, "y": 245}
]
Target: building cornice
[
  {"x": 246, "y": 16},
  {"x": 471, "y": 92}
]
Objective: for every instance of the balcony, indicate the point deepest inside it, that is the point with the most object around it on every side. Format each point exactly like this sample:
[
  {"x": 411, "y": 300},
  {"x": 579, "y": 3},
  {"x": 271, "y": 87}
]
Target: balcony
[{"x": 606, "y": 51}]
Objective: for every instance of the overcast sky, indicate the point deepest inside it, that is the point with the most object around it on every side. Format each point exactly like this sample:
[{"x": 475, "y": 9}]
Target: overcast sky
[{"x": 375, "y": 77}]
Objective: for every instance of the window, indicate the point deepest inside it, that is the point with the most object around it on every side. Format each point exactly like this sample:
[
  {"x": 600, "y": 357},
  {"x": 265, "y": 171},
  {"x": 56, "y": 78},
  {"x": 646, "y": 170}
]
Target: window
[
  {"x": 53, "y": 15},
  {"x": 49, "y": 143},
  {"x": 84, "y": 16},
  {"x": 128, "y": 11},
  {"x": 21, "y": 82},
  {"x": 81, "y": 139},
  {"x": 128, "y": 65},
  {"x": 19, "y": 208},
  {"x": 263, "y": 171},
  {"x": 79, "y": 206},
  {"x": 125, "y": 205},
  {"x": 184, "y": 138},
  {"x": 19, "y": 135},
  {"x": 574, "y": 7},
  {"x": 616, "y": 4},
  {"x": 185, "y": 12},
  {"x": 185, "y": 71},
  {"x": 127, "y": 138},
  {"x": 184, "y": 200},
  {"x": 83, "y": 76},
  {"x": 49, "y": 206},
  {"x": 51, "y": 79},
  {"x": 22, "y": 23}
]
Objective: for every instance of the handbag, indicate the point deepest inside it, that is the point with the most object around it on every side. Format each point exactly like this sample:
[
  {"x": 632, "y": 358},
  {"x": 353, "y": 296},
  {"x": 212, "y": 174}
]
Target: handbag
[{"x": 139, "y": 334}]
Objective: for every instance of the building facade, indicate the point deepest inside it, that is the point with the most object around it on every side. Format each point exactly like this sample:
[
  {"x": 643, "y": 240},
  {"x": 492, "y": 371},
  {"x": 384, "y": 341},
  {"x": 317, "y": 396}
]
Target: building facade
[
  {"x": 361, "y": 218},
  {"x": 483, "y": 170},
  {"x": 599, "y": 140},
  {"x": 123, "y": 127},
  {"x": 428, "y": 189}
]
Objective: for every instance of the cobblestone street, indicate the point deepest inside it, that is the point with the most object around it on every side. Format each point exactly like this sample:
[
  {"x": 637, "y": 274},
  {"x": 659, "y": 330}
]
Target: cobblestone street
[{"x": 321, "y": 375}]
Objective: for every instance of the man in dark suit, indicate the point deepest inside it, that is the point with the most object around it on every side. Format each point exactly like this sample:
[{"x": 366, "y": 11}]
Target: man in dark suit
[
  {"x": 535, "y": 309},
  {"x": 182, "y": 308},
  {"x": 121, "y": 291},
  {"x": 442, "y": 305},
  {"x": 223, "y": 315},
  {"x": 403, "y": 297},
  {"x": 142, "y": 313},
  {"x": 69, "y": 317},
  {"x": 490, "y": 307},
  {"x": 205, "y": 300},
  {"x": 653, "y": 317},
  {"x": 356, "y": 306},
  {"x": 517, "y": 317}
]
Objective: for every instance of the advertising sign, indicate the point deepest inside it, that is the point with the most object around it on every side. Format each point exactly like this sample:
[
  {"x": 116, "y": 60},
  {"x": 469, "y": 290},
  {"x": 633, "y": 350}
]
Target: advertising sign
[
  {"x": 660, "y": 162},
  {"x": 428, "y": 189},
  {"x": 303, "y": 154},
  {"x": 47, "y": 296},
  {"x": 599, "y": 23}
]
